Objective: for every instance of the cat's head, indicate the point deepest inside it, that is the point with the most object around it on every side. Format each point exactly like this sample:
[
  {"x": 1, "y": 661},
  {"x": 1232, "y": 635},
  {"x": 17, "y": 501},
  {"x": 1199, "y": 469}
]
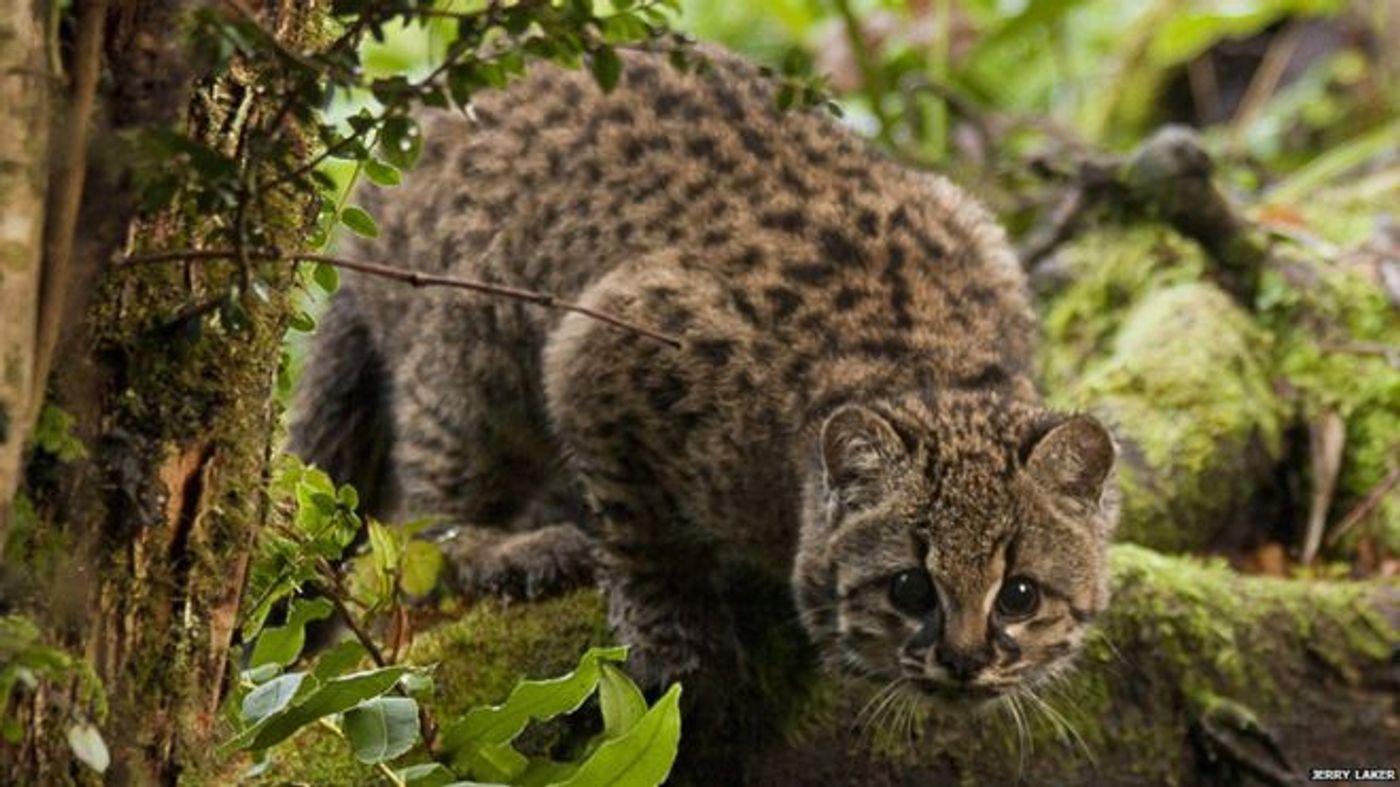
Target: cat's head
[{"x": 958, "y": 544}]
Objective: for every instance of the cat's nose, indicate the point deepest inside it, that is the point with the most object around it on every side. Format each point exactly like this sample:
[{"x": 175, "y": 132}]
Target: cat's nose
[{"x": 961, "y": 664}]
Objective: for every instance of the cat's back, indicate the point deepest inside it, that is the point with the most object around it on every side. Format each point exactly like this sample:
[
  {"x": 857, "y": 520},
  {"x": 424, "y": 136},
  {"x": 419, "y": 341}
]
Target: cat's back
[{"x": 553, "y": 183}]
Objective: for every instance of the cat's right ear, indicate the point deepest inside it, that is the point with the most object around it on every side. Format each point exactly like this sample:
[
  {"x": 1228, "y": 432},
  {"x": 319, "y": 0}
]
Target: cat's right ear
[
  {"x": 859, "y": 449},
  {"x": 1073, "y": 459}
]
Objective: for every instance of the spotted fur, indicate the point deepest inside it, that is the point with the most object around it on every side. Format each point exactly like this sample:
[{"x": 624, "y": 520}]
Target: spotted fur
[{"x": 852, "y": 397}]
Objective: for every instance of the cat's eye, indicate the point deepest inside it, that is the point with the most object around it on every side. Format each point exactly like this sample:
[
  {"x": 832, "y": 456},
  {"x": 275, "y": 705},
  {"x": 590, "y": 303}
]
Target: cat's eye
[
  {"x": 1018, "y": 598},
  {"x": 912, "y": 592}
]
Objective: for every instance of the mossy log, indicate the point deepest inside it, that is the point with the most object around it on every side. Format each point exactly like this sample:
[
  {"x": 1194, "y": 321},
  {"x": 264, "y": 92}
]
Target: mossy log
[
  {"x": 1187, "y": 392},
  {"x": 1194, "y": 675},
  {"x": 1180, "y": 371}
]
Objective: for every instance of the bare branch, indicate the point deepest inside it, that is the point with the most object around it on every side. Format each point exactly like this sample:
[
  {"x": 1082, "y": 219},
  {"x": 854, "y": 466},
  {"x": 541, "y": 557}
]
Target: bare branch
[{"x": 414, "y": 278}]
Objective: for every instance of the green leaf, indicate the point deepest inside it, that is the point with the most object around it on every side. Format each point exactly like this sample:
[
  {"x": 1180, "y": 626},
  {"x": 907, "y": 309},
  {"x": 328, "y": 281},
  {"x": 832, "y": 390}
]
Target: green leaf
[
  {"x": 283, "y": 644},
  {"x": 641, "y": 756},
  {"x": 270, "y": 697},
  {"x": 622, "y": 702},
  {"x": 382, "y": 174},
  {"x": 401, "y": 142},
  {"x": 418, "y": 684},
  {"x": 301, "y": 321},
  {"x": 88, "y": 746},
  {"x": 428, "y": 774},
  {"x": 384, "y": 545},
  {"x": 422, "y": 564},
  {"x": 334, "y": 696},
  {"x": 261, "y": 673},
  {"x": 495, "y": 762},
  {"x": 382, "y": 728},
  {"x": 359, "y": 221},
  {"x": 341, "y": 656},
  {"x": 530, "y": 700},
  {"x": 541, "y": 772},
  {"x": 326, "y": 276},
  {"x": 606, "y": 67}
]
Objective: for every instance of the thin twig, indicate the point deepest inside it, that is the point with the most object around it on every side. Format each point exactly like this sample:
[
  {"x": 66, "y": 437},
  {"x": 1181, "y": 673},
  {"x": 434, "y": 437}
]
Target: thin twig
[
  {"x": 1266, "y": 80},
  {"x": 336, "y": 592},
  {"x": 414, "y": 278},
  {"x": 1365, "y": 507}
]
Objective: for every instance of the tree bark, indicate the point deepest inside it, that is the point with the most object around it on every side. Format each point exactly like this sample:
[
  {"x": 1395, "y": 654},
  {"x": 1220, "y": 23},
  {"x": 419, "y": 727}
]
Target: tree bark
[
  {"x": 24, "y": 162},
  {"x": 135, "y": 556}
]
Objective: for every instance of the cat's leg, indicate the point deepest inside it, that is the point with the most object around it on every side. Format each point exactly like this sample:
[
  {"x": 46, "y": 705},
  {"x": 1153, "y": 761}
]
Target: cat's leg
[
  {"x": 471, "y": 447},
  {"x": 625, "y": 415}
]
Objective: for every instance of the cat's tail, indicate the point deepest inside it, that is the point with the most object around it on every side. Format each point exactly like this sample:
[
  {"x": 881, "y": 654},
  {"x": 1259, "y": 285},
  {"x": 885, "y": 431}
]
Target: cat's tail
[{"x": 341, "y": 416}]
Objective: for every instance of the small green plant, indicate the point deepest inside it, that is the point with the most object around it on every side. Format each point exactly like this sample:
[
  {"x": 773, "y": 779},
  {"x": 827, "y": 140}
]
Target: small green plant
[
  {"x": 359, "y": 690},
  {"x": 24, "y": 660}
]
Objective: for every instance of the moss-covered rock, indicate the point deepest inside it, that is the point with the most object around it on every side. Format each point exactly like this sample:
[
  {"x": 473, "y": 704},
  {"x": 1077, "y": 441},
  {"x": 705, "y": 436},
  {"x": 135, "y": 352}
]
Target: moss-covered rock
[
  {"x": 1107, "y": 271},
  {"x": 1188, "y": 393},
  {"x": 1187, "y": 653},
  {"x": 1178, "y": 370}
]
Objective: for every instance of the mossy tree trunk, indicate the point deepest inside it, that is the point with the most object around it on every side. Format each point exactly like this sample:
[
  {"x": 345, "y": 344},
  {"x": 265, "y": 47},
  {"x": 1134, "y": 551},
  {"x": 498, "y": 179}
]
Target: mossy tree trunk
[{"x": 132, "y": 557}]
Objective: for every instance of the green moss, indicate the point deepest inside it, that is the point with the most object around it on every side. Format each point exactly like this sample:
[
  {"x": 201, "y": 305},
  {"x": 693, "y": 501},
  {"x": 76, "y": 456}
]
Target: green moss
[
  {"x": 1188, "y": 392},
  {"x": 480, "y": 657},
  {"x": 1332, "y": 325},
  {"x": 1183, "y": 638},
  {"x": 1111, "y": 268}
]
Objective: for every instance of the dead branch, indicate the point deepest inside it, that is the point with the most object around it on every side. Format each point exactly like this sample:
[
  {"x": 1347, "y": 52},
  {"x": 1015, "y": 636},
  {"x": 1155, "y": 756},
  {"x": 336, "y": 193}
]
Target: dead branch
[
  {"x": 1168, "y": 177},
  {"x": 413, "y": 278},
  {"x": 1365, "y": 507}
]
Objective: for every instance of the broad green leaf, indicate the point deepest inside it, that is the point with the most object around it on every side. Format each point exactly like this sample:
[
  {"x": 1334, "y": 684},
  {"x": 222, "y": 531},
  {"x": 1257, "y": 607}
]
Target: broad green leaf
[
  {"x": 338, "y": 659},
  {"x": 270, "y": 697},
  {"x": 541, "y": 772},
  {"x": 417, "y": 684},
  {"x": 301, "y": 321},
  {"x": 422, "y": 564},
  {"x": 495, "y": 762},
  {"x": 261, "y": 673},
  {"x": 530, "y": 700},
  {"x": 359, "y": 221},
  {"x": 383, "y": 174},
  {"x": 401, "y": 142},
  {"x": 283, "y": 644},
  {"x": 384, "y": 544},
  {"x": 428, "y": 774},
  {"x": 642, "y": 756},
  {"x": 606, "y": 67},
  {"x": 88, "y": 746},
  {"x": 326, "y": 277},
  {"x": 621, "y": 700},
  {"x": 382, "y": 728},
  {"x": 334, "y": 696}
]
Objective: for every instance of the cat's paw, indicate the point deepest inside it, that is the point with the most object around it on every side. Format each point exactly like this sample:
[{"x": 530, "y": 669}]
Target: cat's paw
[{"x": 519, "y": 566}]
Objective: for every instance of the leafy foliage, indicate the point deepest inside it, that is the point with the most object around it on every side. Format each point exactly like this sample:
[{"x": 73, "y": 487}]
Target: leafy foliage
[{"x": 376, "y": 709}]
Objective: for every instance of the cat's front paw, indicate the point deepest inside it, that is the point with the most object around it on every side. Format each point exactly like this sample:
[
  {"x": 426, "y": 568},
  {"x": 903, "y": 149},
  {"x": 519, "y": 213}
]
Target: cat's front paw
[{"x": 519, "y": 566}]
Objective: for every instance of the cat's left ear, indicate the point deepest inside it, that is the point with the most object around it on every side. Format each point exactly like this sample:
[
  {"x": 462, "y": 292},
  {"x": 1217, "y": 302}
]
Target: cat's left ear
[{"x": 1073, "y": 459}]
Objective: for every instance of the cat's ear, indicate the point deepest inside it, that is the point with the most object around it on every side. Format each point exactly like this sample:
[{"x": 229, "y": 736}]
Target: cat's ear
[
  {"x": 859, "y": 449},
  {"x": 1073, "y": 459}
]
